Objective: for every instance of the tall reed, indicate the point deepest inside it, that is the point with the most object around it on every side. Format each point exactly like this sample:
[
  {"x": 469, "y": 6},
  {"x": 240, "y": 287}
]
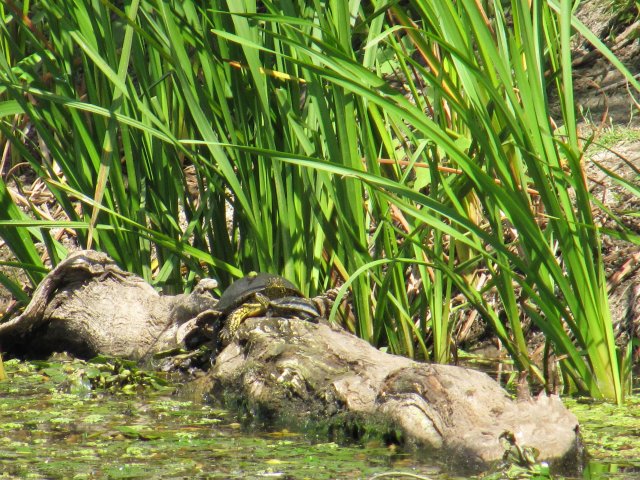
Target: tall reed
[{"x": 233, "y": 136}]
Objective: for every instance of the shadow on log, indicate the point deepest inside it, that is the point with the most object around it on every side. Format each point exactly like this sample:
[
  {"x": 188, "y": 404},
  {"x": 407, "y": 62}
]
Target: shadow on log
[{"x": 291, "y": 368}]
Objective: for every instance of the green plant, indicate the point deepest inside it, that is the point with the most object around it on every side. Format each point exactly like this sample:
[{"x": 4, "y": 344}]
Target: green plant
[{"x": 331, "y": 172}]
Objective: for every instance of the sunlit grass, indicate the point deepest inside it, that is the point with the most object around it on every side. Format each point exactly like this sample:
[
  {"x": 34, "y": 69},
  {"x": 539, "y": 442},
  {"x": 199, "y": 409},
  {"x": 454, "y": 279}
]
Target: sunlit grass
[{"x": 612, "y": 136}]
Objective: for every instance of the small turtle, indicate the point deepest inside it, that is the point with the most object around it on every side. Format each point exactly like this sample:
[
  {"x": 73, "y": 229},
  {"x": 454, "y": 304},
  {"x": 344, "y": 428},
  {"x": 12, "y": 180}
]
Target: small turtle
[{"x": 261, "y": 294}]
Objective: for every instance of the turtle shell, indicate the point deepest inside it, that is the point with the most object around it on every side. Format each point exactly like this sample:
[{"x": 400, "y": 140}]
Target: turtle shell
[{"x": 270, "y": 285}]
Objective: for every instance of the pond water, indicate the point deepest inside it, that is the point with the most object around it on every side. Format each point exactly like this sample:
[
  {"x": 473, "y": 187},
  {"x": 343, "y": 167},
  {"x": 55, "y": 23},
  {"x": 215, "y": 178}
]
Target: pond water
[
  {"x": 611, "y": 436},
  {"x": 54, "y": 426},
  {"x": 69, "y": 419}
]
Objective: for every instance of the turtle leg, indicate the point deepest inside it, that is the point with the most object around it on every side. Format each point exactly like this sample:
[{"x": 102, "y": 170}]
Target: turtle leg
[
  {"x": 325, "y": 301},
  {"x": 240, "y": 314}
]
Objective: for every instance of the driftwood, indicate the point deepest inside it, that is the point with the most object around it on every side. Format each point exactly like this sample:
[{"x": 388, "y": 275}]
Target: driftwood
[
  {"x": 88, "y": 306},
  {"x": 290, "y": 368},
  {"x": 284, "y": 366}
]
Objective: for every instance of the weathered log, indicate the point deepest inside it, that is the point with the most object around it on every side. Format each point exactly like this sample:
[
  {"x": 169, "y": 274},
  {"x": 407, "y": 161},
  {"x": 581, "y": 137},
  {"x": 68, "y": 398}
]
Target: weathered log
[
  {"x": 290, "y": 368},
  {"x": 88, "y": 306},
  {"x": 298, "y": 369}
]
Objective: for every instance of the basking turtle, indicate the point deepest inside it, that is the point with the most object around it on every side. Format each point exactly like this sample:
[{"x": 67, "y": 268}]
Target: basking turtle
[{"x": 262, "y": 294}]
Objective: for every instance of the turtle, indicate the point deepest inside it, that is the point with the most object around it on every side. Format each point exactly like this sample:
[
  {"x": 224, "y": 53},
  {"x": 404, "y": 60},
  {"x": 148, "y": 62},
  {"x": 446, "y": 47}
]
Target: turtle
[{"x": 262, "y": 294}]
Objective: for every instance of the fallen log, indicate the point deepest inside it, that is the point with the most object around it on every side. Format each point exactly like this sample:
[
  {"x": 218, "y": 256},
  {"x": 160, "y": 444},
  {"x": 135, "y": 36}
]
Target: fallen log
[
  {"x": 291, "y": 368},
  {"x": 296, "y": 369},
  {"x": 88, "y": 306}
]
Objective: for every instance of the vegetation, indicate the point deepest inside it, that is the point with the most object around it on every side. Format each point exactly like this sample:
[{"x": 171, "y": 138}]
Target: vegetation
[{"x": 222, "y": 138}]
